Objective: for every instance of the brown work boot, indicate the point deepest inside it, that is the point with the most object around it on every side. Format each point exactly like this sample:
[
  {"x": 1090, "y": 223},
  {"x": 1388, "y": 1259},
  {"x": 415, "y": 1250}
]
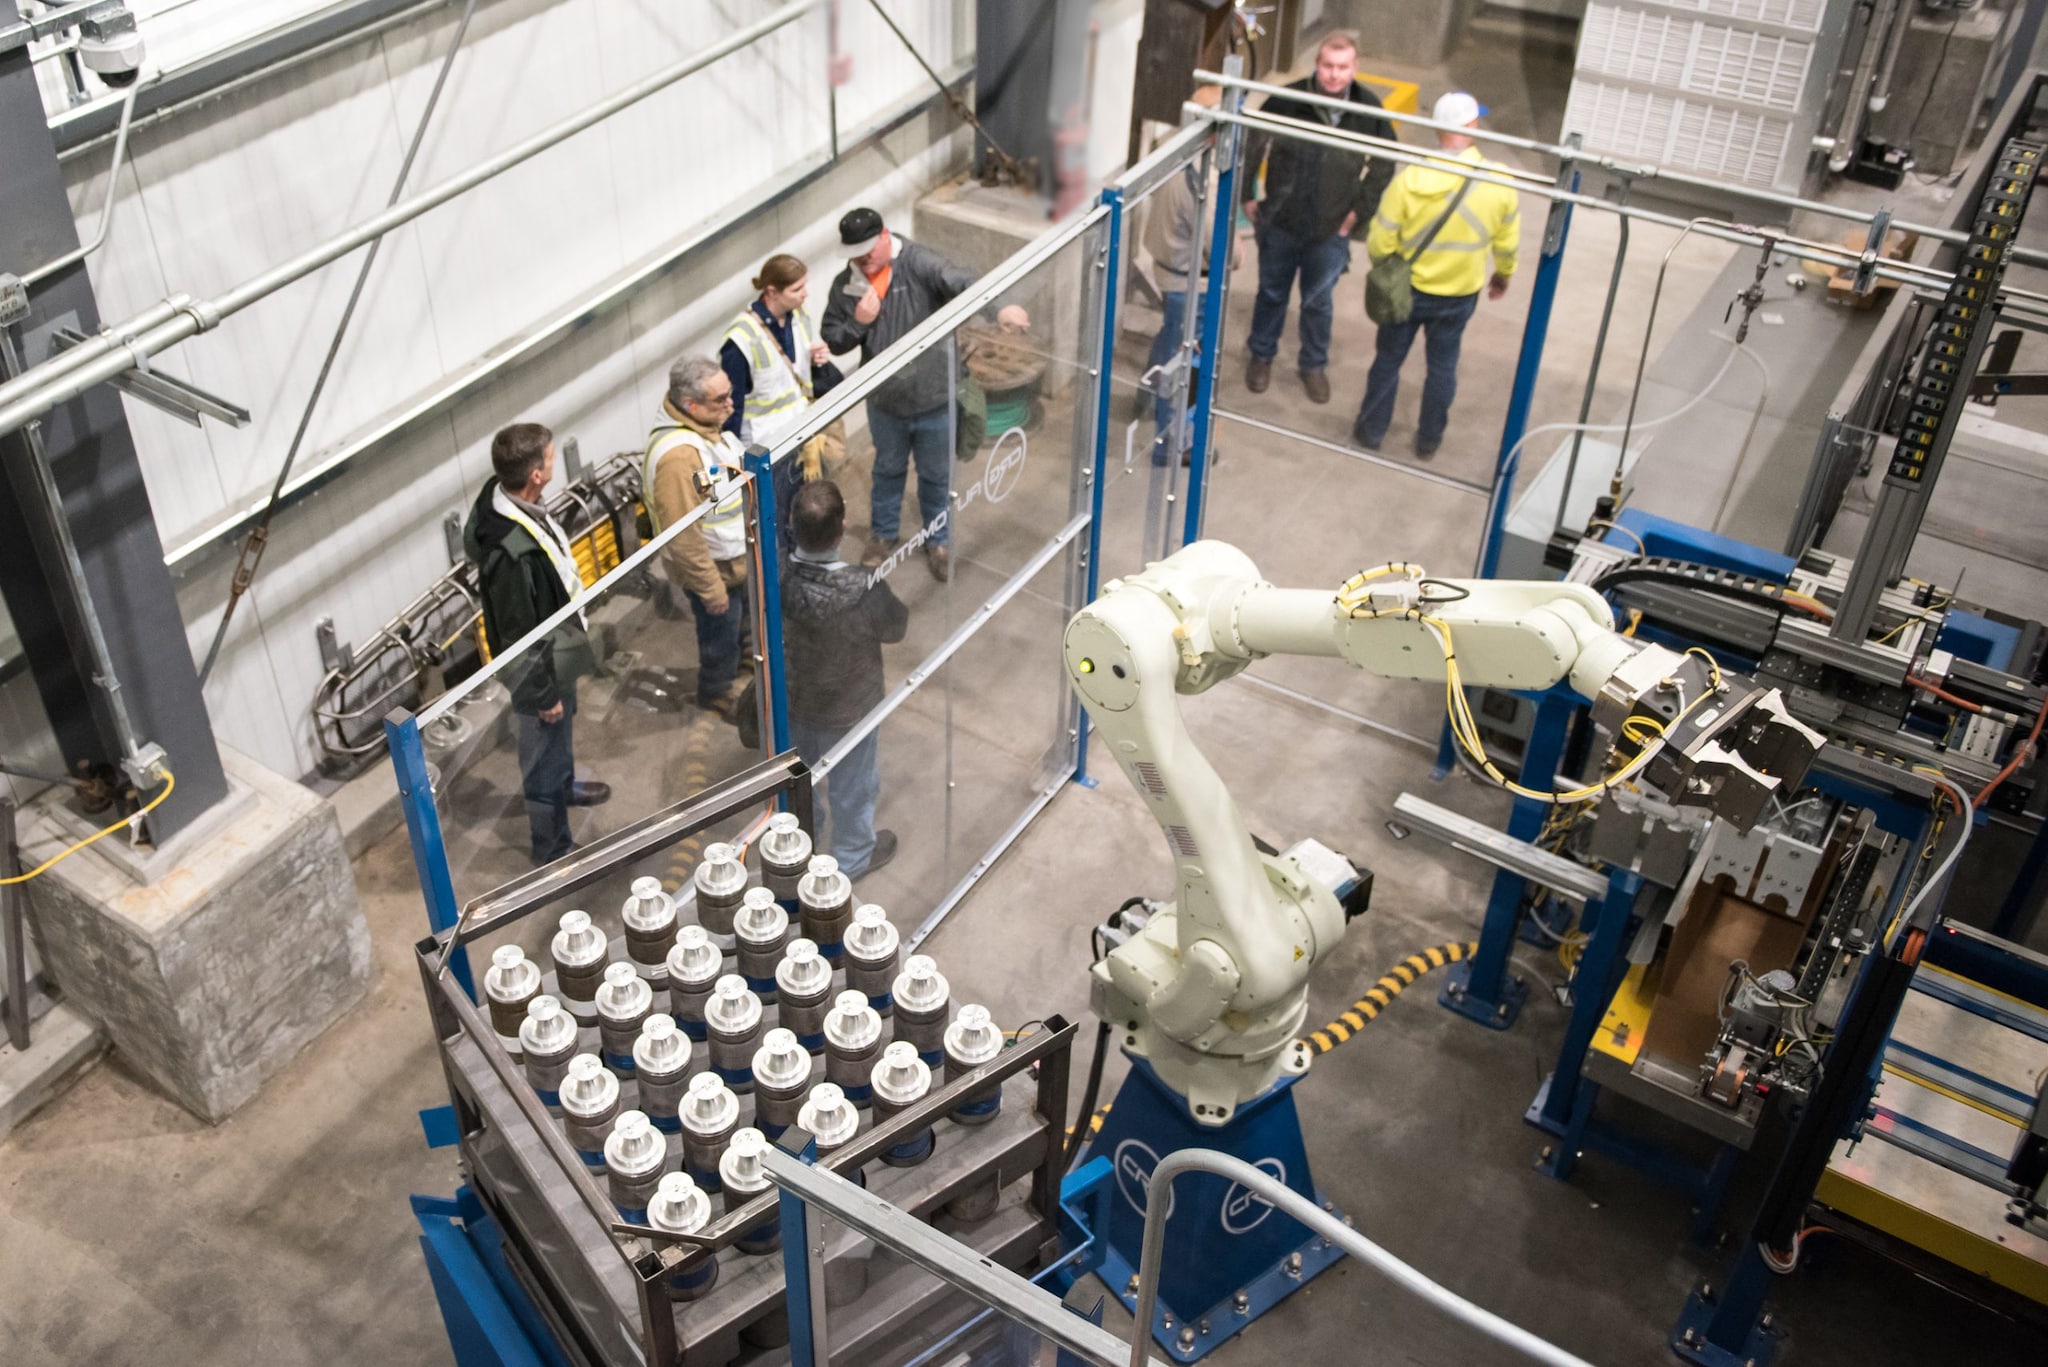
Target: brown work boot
[
  {"x": 1317, "y": 384},
  {"x": 879, "y": 550},
  {"x": 1257, "y": 375},
  {"x": 939, "y": 559}
]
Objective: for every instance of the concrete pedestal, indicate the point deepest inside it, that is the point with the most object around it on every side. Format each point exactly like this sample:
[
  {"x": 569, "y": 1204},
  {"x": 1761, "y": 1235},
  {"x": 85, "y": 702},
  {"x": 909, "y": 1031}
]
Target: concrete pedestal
[
  {"x": 210, "y": 962},
  {"x": 981, "y": 227}
]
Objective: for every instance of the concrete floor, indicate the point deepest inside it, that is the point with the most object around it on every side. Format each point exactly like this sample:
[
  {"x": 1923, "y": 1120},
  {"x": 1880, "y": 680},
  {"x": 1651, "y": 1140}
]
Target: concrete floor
[{"x": 130, "y": 1233}]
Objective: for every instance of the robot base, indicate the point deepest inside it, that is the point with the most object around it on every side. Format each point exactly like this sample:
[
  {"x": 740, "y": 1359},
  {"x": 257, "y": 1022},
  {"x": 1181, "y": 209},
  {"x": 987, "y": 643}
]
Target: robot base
[{"x": 1229, "y": 1257}]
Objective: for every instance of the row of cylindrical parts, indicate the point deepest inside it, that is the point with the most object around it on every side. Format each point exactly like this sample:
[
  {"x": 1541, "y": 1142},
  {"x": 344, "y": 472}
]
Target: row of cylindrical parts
[
  {"x": 631, "y": 1148},
  {"x": 732, "y": 1025},
  {"x": 751, "y": 925},
  {"x": 704, "y": 1104}
]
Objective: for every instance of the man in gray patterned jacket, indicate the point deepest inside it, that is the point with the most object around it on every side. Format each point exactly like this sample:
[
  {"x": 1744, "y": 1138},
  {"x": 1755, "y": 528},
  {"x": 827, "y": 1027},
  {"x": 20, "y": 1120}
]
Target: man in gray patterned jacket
[
  {"x": 889, "y": 287},
  {"x": 835, "y": 621}
]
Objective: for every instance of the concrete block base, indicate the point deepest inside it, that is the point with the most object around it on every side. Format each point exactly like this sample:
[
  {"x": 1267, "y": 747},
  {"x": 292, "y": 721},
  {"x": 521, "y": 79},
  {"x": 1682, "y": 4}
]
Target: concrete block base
[
  {"x": 211, "y": 962},
  {"x": 980, "y": 227}
]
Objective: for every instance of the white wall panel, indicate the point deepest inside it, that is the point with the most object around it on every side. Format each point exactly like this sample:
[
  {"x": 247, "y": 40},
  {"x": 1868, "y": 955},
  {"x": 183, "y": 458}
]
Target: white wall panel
[
  {"x": 537, "y": 234},
  {"x": 941, "y": 30},
  {"x": 178, "y": 462},
  {"x": 249, "y": 182},
  {"x": 687, "y": 154}
]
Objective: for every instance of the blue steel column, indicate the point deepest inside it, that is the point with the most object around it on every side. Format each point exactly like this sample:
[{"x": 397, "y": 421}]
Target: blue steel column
[
  {"x": 803, "y": 1298},
  {"x": 768, "y": 590},
  {"x": 1605, "y": 924},
  {"x": 1098, "y": 464},
  {"x": 1481, "y": 987},
  {"x": 1222, "y": 226},
  {"x": 1556, "y": 228},
  {"x": 423, "y": 825}
]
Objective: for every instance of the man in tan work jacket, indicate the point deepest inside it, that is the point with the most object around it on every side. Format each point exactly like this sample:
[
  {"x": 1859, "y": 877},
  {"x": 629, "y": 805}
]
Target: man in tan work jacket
[{"x": 691, "y": 459}]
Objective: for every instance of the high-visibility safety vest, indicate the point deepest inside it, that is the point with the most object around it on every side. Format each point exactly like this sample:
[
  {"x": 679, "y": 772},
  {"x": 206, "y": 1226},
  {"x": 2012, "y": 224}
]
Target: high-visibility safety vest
[
  {"x": 553, "y": 542},
  {"x": 725, "y": 526},
  {"x": 775, "y": 407},
  {"x": 1487, "y": 223}
]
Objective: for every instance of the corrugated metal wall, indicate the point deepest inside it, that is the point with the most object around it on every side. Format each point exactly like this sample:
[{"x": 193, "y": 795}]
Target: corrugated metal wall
[{"x": 223, "y": 191}]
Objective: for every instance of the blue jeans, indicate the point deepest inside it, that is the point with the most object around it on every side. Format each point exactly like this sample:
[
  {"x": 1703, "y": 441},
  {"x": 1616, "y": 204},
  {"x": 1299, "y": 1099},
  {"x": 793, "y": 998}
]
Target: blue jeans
[
  {"x": 1442, "y": 318},
  {"x": 929, "y": 436},
  {"x": 850, "y": 791},
  {"x": 718, "y": 643},
  {"x": 1282, "y": 256},
  {"x": 547, "y": 767},
  {"x": 1175, "y": 304}
]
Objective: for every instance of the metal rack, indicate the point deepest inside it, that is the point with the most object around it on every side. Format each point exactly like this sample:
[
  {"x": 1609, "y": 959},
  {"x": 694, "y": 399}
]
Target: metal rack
[{"x": 597, "y": 1279}]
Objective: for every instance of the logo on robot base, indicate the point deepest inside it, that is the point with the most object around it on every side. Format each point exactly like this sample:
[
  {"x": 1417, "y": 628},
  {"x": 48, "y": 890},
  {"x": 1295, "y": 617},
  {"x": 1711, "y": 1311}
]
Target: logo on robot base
[
  {"x": 1244, "y": 1212},
  {"x": 1134, "y": 1161}
]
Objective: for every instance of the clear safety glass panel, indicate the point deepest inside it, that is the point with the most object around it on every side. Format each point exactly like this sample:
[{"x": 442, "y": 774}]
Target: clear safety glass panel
[
  {"x": 640, "y": 726},
  {"x": 1007, "y": 437},
  {"x": 1154, "y": 374},
  {"x": 1025, "y": 392},
  {"x": 1265, "y": 260},
  {"x": 1310, "y": 517},
  {"x": 1010, "y": 717},
  {"x": 890, "y": 785}
]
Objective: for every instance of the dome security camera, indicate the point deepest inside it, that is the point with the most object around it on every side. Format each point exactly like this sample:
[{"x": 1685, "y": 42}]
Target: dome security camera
[{"x": 110, "y": 45}]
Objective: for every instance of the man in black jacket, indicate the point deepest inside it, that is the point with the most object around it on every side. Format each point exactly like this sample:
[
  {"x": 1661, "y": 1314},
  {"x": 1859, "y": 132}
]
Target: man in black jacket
[
  {"x": 1314, "y": 197},
  {"x": 526, "y": 573},
  {"x": 890, "y": 286},
  {"x": 835, "y": 621}
]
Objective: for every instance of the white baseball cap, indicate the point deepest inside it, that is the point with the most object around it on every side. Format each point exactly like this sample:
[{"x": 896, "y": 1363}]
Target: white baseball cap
[{"x": 1458, "y": 109}]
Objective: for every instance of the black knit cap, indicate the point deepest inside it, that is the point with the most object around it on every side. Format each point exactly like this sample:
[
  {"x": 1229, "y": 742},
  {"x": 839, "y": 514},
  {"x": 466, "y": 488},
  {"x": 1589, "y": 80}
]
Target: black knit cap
[{"x": 859, "y": 229}]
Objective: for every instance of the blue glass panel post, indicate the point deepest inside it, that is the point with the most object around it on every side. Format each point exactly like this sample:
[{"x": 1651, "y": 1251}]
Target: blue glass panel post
[
  {"x": 1105, "y": 363},
  {"x": 768, "y": 591},
  {"x": 1605, "y": 924},
  {"x": 1222, "y": 224},
  {"x": 803, "y": 1287},
  {"x": 423, "y": 825},
  {"x": 1481, "y": 987},
  {"x": 1556, "y": 228}
]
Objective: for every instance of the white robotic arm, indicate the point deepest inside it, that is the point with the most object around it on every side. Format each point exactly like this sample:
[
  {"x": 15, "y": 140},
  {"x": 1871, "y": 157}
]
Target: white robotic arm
[{"x": 1213, "y": 992}]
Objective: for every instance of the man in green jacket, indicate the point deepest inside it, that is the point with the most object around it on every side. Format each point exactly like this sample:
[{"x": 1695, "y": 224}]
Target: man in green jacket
[{"x": 527, "y": 572}]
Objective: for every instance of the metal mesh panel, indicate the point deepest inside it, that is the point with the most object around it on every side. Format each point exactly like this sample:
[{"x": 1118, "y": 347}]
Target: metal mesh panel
[
  {"x": 1729, "y": 143},
  {"x": 1635, "y": 45},
  {"x": 1752, "y": 68},
  {"x": 1648, "y": 47},
  {"x": 1687, "y": 135},
  {"x": 1799, "y": 14},
  {"x": 1620, "y": 120}
]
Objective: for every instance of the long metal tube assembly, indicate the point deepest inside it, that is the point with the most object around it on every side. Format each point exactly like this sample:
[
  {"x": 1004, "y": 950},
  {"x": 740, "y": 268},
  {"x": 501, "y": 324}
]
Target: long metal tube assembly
[
  {"x": 39, "y": 390},
  {"x": 99, "y": 238},
  {"x": 42, "y": 26},
  {"x": 1261, "y": 1184},
  {"x": 1622, "y": 168}
]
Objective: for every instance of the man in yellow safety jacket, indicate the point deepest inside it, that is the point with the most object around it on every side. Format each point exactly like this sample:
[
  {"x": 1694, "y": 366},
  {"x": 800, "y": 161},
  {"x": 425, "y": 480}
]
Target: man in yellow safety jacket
[{"x": 1445, "y": 275}]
